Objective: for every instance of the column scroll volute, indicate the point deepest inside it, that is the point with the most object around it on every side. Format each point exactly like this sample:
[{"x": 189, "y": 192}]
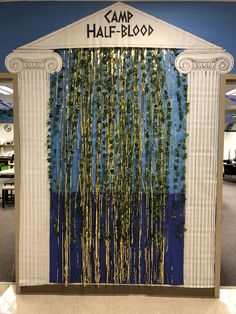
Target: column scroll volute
[
  {"x": 219, "y": 61},
  {"x": 20, "y": 60}
]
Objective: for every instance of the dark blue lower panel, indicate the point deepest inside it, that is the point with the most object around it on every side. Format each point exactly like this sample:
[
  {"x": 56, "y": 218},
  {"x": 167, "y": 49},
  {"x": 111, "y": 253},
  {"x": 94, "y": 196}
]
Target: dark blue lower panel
[{"x": 153, "y": 245}]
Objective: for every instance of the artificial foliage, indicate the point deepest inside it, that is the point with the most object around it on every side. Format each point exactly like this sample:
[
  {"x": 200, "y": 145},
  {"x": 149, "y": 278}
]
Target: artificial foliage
[{"x": 116, "y": 151}]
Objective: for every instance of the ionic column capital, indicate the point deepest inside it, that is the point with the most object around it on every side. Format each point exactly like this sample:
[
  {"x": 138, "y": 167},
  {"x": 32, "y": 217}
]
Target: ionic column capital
[
  {"x": 219, "y": 61},
  {"x": 20, "y": 60}
]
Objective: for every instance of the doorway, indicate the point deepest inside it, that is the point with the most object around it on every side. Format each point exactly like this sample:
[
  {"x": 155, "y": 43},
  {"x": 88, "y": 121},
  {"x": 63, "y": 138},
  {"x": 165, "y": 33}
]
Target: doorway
[
  {"x": 228, "y": 216},
  {"x": 8, "y": 213}
]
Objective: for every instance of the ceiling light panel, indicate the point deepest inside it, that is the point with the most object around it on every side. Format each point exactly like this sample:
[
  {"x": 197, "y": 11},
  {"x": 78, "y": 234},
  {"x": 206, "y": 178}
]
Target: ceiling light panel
[{"x": 6, "y": 89}]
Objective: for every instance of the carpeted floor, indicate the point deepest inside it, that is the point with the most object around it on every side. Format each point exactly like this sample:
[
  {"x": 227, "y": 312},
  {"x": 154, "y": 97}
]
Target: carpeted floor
[
  {"x": 7, "y": 244},
  {"x": 228, "y": 235}
]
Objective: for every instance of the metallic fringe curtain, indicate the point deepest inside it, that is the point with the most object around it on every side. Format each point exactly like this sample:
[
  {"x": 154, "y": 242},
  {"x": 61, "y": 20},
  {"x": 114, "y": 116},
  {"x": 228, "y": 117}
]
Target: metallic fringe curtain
[{"x": 116, "y": 150}]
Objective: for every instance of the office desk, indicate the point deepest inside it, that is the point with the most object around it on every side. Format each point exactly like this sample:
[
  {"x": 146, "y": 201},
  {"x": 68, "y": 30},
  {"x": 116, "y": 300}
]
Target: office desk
[{"x": 9, "y": 173}]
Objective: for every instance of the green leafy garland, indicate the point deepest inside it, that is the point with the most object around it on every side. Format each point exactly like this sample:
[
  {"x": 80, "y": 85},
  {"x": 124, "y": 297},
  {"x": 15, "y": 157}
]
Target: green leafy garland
[{"x": 124, "y": 92}]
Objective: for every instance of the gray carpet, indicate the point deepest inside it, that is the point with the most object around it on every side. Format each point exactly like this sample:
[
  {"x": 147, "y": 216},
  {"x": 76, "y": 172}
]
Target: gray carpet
[
  {"x": 228, "y": 234},
  {"x": 7, "y": 243}
]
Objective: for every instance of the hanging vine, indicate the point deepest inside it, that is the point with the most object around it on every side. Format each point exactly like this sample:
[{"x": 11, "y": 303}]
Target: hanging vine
[{"x": 116, "y": 152}]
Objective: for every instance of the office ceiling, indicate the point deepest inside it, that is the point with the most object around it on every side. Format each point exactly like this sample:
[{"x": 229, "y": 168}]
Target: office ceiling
[
  {"x": 229, "y": 104},
  {"x": 5, "y": 98}
]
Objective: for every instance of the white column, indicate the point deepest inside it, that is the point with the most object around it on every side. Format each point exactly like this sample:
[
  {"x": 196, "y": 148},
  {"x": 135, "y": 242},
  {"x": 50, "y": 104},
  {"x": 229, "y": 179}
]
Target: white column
[
  {"x": 203, "y": 69},
  {"x": 33, "y": 68}
]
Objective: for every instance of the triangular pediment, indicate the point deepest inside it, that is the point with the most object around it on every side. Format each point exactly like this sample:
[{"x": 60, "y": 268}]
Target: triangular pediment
[{"x": 120, "y": 25}]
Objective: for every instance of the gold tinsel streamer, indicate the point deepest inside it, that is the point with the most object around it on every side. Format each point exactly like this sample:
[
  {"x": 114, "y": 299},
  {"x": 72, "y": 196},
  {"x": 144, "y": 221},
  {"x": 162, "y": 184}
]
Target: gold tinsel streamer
[{"x": 126, "y": 89}]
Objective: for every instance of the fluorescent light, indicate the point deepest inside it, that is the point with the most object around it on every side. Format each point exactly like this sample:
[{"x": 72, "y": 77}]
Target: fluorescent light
[
  {"x": 4, "y": 92},
  {"x": 6, "y": 89},
  {"x": 231, "y": 92}
]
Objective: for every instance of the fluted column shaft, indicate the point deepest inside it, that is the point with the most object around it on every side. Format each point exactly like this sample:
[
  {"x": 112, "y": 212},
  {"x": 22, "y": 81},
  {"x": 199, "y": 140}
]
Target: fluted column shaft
[
  {"x": 33, "y": 70},
  {"x": 203, "y": 69}
]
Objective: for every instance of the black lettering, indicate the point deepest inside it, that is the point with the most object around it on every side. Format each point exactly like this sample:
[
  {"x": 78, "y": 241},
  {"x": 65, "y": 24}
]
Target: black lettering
[
  {"x": 123, "y": 30},
  {"x": 130, "y": 15},
  {"x": 123, "y": 17},
  {"x": 114, "y": 17},
  {"x": 112, "y": 30},
  {"x": 91, "y": 30},
  {"x": 106, "y": 16},
  {"x": 143, "y": 30},
  {"x": 107, "y": 32},
  {"x": 150, "y": 30},
  {"x": 100, "y": 32},
  {"x": 136, "y": 30},
  {"x": 129, "y": 31}
]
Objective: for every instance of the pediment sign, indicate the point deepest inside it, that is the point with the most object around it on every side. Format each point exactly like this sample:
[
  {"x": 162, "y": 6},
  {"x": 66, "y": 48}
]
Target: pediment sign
[{"x": 120, "y": 25}]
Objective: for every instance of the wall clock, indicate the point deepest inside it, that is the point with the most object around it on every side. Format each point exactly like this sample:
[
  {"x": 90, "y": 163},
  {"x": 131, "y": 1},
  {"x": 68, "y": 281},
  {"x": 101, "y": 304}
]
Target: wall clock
[{"x": 7, "y": 127}]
